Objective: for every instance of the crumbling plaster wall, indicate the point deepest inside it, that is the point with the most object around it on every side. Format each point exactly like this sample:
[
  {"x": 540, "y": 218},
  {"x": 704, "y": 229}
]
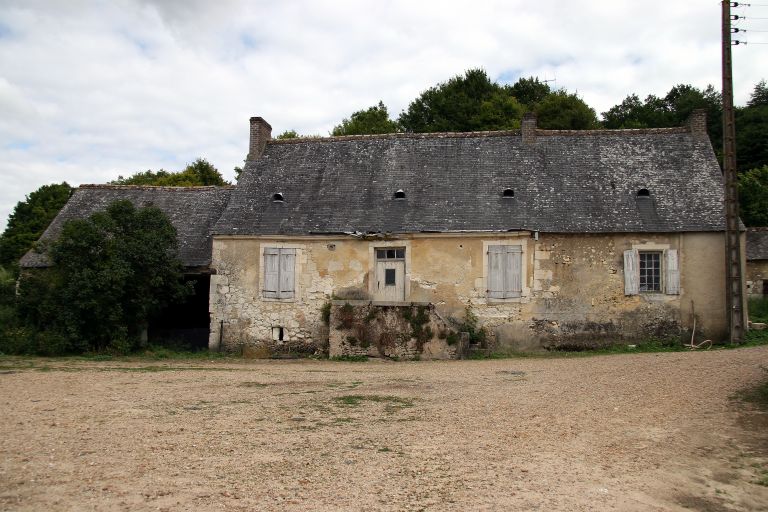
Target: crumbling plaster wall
[
  {"x": 573, "y": 287},
  {"x": 757, "y": 272}
]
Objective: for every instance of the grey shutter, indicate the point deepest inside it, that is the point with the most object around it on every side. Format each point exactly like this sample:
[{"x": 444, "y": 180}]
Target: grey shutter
[
  {"x": 672, "y": 268},
  {"x": 496, "y": 259},
  {"x": 513, "y": 279},
  {"x": 631, "y": 273},
  {"x": 271, "y": 272},
  {"x": 287, "y": 265}
]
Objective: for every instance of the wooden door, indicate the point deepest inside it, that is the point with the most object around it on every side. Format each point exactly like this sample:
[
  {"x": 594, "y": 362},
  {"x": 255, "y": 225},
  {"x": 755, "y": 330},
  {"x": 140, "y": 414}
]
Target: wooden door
[{"x": 390, "y": 276}]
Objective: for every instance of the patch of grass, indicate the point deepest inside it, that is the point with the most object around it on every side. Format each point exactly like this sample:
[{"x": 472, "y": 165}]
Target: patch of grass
[
  {"x": 350, "y": 359},
  {"x": 757, "y": 395},
  {"x": 758, "y": 309},
  {"x": 393, "y": 403},
  {"x": 346, "y": 385},
  {"x": 252, "y": 385},
  {"x": 754, "y": 338}
]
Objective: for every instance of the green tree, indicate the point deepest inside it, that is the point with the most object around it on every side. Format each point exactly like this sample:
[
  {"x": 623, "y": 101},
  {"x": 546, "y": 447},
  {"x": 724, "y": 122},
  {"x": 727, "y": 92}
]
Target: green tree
[
  {"x": 366, "y": 122},
  {"x": 199, "y": 173},
  {"x": 471, "y": 102},
  {"x": 111, "y": 273},
  {"x": 671, "y": 110},
  {"x": 29, "y": 219},
  {"x": 759, "y": 95},
  {"x": 752, "y": 130},
  {"x": 530, "y": 91},
  {"x": 753, "y": 196},
  {"x": 288, "y": 134},
  {"x": 563, "y": 111}
]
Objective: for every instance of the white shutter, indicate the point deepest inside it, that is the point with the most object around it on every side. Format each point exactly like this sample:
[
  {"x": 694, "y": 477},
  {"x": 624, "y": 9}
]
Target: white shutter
[
  {"x": 496, "y": 260},
  {"x": 672, "y": 268},
  {"x": 513, "y": 279},
  {"x": 287, "y": 264},
  {"x": 631, "y": 273},
  {"x": 271, "y": 272}
]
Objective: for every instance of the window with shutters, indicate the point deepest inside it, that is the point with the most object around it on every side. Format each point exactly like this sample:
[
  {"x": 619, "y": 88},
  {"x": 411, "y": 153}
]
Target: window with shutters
[
  {"x": 505, "y": 279},
  {"x": 651, "y": 271},
  {"x": 279, "y": 273}
]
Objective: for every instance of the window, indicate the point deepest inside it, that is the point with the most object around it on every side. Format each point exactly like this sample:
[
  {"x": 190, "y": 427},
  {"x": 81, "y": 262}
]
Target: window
[
  {"x": 390, "y": 275},
  {"x": 651, "y": 271},
  {"x": 279, "y": 267},
  {"x": 505, "y": 271},
  {"x": 390, "y": 254}
]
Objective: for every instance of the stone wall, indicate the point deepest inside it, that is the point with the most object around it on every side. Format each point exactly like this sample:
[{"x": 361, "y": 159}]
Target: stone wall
[
  {"x": 397, "y": 331},
  {"x": 573, "y": 288},
  {"x": 756, "y": 275}
]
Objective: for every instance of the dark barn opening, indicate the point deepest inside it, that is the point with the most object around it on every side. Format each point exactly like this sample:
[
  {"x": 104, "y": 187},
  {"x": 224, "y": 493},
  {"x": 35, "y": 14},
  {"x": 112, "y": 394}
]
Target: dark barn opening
[{"x": 185, "y": 325}]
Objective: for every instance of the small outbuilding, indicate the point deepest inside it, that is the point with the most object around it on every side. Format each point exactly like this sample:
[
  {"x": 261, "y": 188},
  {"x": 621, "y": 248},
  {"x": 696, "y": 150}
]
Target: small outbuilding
[{"x": 191, "y": 210}]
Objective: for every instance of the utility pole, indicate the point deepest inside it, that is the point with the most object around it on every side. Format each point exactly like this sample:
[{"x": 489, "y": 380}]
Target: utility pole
[{"x": 734, "y": 273}]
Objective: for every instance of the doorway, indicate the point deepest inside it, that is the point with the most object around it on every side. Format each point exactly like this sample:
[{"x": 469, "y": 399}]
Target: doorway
[{"x": 390, "y": 274}]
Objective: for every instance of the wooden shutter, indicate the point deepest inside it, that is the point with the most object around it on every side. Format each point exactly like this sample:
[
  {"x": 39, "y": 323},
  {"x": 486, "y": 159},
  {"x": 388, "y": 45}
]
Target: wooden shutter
[
  {"x": 287, "y": 265},
  {"x": 513, "y": 279},
  {"x": 672, "y": 270},
  {"x": 496, "y": 259},
  {"x": 631, "y": 273},
  {"x": 271, "y": 272}
]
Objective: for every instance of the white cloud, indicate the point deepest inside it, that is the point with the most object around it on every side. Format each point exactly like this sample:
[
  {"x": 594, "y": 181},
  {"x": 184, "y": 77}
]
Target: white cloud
[{"x": 90, "y": 90}]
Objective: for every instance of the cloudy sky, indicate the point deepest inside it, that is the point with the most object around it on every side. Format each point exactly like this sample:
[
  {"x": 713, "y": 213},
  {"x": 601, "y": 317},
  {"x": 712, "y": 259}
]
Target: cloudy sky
[{"x": 90, "y": 90}]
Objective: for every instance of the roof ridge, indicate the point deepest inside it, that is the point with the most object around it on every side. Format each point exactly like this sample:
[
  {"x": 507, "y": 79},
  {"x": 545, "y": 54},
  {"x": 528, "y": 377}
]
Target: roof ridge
[
  {"x": 107, "y": 186},
  {"x": 540, "y": 132}
]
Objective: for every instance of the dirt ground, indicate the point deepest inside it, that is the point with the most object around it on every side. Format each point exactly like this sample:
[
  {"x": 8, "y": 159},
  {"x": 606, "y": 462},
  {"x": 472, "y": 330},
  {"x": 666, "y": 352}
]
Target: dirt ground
[{"x": 623, "y": 432}]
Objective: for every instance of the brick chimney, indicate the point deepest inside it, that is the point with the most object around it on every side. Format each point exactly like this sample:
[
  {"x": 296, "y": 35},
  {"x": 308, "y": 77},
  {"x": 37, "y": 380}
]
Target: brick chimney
[
  {"x": 528, "y": 128},
  {"x": 261, "y": 132},
  {"x": 697, "y": 122}
]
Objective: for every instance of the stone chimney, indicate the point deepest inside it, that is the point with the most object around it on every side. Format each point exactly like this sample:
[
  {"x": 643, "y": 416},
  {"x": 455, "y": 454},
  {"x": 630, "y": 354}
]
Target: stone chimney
[
  {"x": 528, "y": 128},
  {"x": 697, "y": 122},
  {"x": 261, "y": 132}
]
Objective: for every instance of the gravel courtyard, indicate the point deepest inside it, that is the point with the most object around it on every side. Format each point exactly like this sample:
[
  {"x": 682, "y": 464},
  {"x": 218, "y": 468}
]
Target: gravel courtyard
[{"x": 624, "y": 432}]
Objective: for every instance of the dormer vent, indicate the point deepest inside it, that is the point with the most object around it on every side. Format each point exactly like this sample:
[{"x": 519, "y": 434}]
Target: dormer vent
[
  {"x": 508, "y": 193},
  {"x": 643, "y": 192},
  {"x": 277, "y": 197},
  {"x": 400, "y": 194}
]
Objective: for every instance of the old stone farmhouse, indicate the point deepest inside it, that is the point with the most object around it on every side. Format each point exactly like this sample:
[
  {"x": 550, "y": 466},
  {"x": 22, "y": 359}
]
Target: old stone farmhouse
[{"x": 384, "y": 244}]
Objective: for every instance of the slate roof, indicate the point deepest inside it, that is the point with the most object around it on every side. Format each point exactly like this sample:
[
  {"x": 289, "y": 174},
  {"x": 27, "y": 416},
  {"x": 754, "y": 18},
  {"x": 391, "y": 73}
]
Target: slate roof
[
  {"x": 565, "y": 181},
  {"x": 192, "y": 211},
  {"x": 757, "y": 243}
]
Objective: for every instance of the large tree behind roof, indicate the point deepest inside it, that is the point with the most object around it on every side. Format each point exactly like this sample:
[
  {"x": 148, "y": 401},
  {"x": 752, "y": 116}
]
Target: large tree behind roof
[
  {"x": 530, "y": 91},
  {"x": 367, "y": 122},
  {"x": 752, "y": 130},
  {"x": 564, "y": 111},
  {"x": 29, "y": 219},
  {"x": 464, "y": 103},
  {"x": 196, "y": 174},
  {"x": 673, "y": 109}
]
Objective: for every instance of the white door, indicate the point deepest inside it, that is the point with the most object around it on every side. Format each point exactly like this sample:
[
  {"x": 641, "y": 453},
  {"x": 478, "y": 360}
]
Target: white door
[{"x": 390, "y": 275}]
